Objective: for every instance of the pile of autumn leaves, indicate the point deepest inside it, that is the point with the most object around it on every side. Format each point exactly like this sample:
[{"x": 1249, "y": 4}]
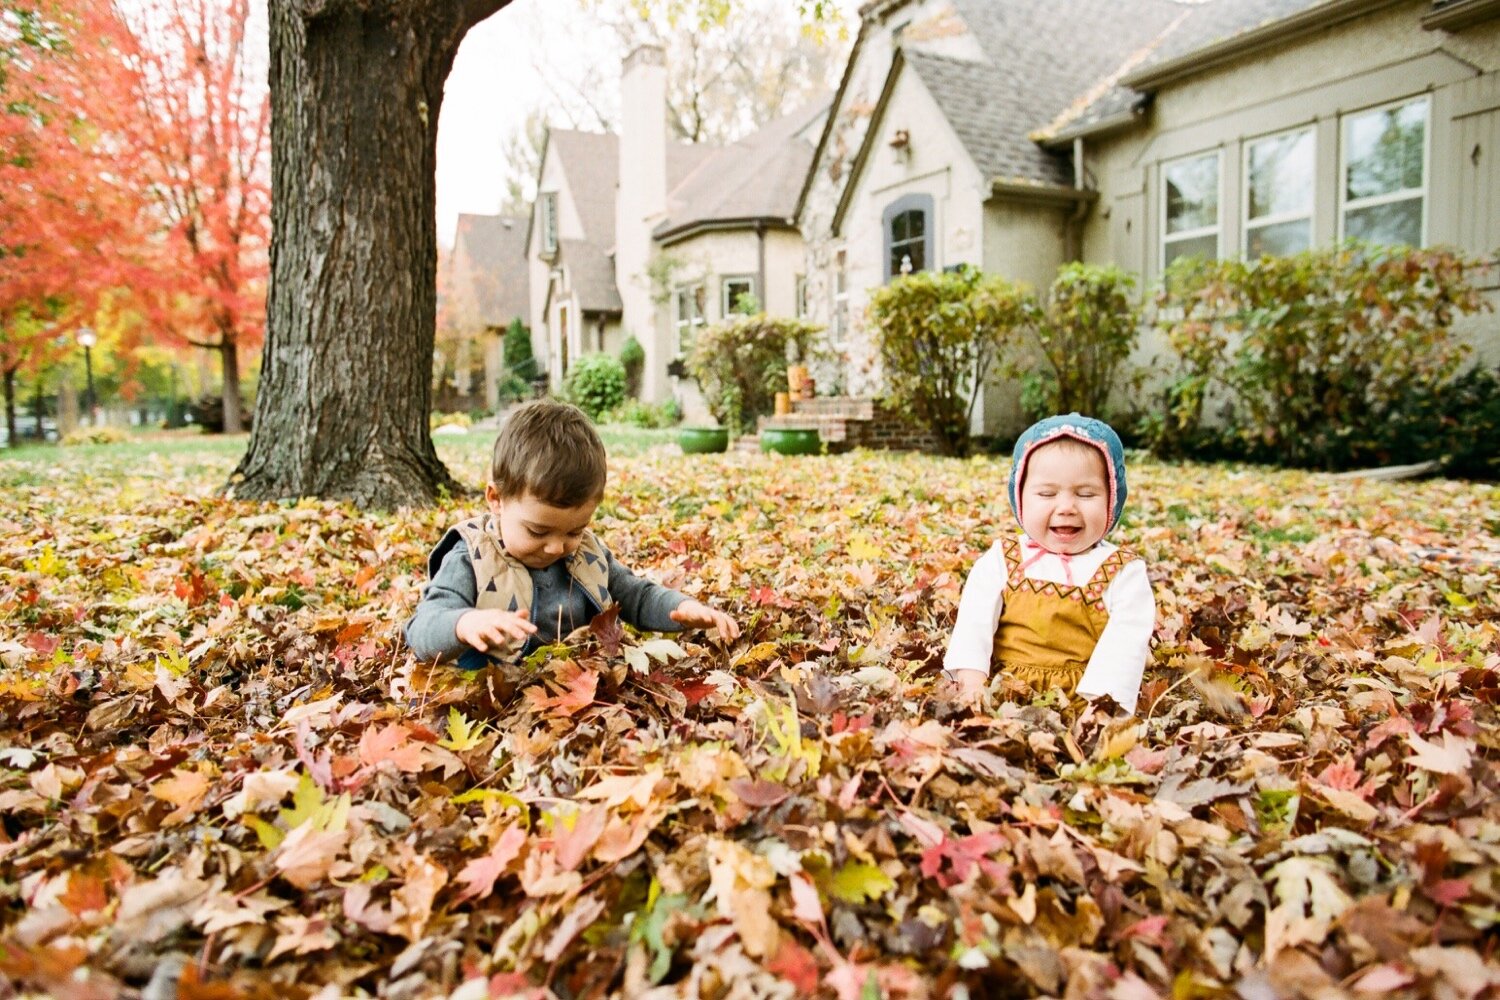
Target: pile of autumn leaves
[{"x": 222, "y": 771}]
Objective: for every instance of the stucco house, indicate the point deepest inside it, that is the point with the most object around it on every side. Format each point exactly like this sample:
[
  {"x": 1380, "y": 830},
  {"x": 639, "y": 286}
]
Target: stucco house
[
  {"x": 641, "y": 235},
  {"x": 485, "y": 288},
  {"x": 1016, "y": 136}
]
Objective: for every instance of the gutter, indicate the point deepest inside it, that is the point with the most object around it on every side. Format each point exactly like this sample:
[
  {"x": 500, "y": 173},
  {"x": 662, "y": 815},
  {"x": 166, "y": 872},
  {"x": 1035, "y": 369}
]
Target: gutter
[
  {"x": 1041, "y": 194},
  {"x": 759, "y": 223},
  {"x": 1064, "y": 137},
  {"x": 1325, "y": 15},
  {"x": 1460, "y": 14},
  {"x": 1073, "y": 228}
]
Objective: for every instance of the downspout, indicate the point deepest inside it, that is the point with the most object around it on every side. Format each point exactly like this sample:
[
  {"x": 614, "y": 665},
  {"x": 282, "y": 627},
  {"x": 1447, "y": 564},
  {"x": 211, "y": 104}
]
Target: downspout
[
  {"x": 760, "y": 264},
  {"x": 1073, "y": 234}
]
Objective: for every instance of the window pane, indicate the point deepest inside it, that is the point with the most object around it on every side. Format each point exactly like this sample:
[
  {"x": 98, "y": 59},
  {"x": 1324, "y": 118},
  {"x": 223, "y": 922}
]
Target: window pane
[
  {"x": 1385, "y": 150},
  {"x": 1279, "y": 239},
  {"x": 898, "y": 227},
  {"x": 1281, "y": 175},
  {"x": 916, "y": 224},
  {"x": 1198, "y": 246},
  {"x": 911, "y": 255},
  {"x": 1395, "y": 222},
  {"x": 1193, "y": 193}
]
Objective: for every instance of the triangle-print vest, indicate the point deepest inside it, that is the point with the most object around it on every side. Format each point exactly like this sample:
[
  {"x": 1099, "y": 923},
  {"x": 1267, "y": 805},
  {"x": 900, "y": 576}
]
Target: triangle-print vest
[{"x": 504, "y": 582}]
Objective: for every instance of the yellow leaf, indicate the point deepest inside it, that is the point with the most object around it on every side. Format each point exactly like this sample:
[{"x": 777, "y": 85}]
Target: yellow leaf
[
  {"x": 859, "y": 883},
  {"x": 462, "y": 734},
  {"x": 861, "y": 549}
]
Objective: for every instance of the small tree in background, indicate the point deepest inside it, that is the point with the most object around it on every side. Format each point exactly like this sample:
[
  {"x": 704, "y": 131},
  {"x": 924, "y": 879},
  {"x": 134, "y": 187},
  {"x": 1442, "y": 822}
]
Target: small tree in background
[
  {"x": 1090, "y": 325},
  {"x": 740, "y": 365},
  {"x": 1323, "y": 357},
  {"x": 940, "y": 334},
  {"x": 520, "y": 363},
  {"x": 633, "y": 358}
]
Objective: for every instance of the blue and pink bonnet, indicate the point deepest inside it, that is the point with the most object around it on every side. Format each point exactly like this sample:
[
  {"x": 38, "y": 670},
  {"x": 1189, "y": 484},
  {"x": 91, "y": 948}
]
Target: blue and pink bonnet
[{"x": 1086, "y": 429}]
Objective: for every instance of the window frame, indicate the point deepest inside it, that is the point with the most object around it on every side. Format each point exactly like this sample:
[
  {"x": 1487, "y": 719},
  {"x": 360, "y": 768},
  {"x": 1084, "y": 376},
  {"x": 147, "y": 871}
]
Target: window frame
[
  {"x": 1345, "y": 204},
  {"x": 549, "y": 221},
  {"x": 799, "y": 297},
  {"x": 1280, "y": 218},
  {"x": 726, "y": 302},
  {"x": 1216, "y": 230},
  {"x": 686, "y": 328},
  {"x": 917, "y": 202}
]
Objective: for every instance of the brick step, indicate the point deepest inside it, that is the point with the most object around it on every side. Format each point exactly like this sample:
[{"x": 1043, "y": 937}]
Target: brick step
[
  {"x": 833, "y": 430},
  {"x": 746, "y": 442},
  {"x": 846, "y": 407}
]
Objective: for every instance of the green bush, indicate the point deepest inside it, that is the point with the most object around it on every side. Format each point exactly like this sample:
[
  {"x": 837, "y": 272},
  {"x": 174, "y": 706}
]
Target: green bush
[
  {"x": 1322, "y": 359},
  {"x": 940, "y": 334},
  {"x": 633, "y": 358},
  {"x": 596, "y": 383},
  {"x": 1089, "y": 327},
  {"x": 638, "y": 414},
  {"x": 740, "y": 365},
  {"x": 520, "y": 363}
]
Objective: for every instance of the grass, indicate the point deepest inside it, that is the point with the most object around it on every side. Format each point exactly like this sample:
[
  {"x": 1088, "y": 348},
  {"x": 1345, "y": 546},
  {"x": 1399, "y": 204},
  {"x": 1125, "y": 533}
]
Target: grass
[{"x": 213, "y": 456}]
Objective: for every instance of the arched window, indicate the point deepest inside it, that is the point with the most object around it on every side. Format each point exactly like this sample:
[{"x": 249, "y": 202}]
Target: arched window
[{"x": 907, "y": 223}]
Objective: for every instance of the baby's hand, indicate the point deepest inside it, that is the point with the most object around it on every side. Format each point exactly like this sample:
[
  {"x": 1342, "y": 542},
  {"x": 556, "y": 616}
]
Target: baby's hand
[
  {"x": 493, "y": 628},
  {"x": 696, "y": 614},
  {"x": 971, "y": 683}
]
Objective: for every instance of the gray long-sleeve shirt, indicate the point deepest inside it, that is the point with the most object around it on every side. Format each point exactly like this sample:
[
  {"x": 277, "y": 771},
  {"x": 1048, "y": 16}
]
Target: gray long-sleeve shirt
[{"x": 432, "y": 632}]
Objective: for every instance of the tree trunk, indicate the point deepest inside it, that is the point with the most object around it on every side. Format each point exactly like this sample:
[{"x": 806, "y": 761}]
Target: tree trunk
[
  {"x": 346, "y": 375},
  {"x": 229, "y": 365},
  {"x": 10, "y": 407}
]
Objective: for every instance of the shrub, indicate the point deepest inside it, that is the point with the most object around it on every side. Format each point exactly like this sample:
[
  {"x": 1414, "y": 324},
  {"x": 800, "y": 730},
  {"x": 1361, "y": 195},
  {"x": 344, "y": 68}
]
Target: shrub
[
  {"x": 741, "y": 364},
  {"x": 633, "y": 358},
  {"x": 1090, "y": 326},
  {"x": 1322, "y": 358},
  {"x": 596, "y": 383},
  {"x": 940, "y": 334},
  {"x": 520, "y": 363},
  {"x": 638, "y": 414},
  {"x": 436, "y": 420},
  {"x": 94, "y": 435}
]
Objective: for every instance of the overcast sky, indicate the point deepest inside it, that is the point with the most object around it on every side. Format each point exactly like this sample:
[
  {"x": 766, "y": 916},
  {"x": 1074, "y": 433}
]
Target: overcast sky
[{"x": 495, "y": 82}]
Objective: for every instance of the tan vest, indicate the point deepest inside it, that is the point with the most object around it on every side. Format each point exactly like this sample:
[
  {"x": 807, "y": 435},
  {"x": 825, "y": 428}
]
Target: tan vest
[
  {"x": 1049, "y": 630},
  {"x": 504, "y": 582}
]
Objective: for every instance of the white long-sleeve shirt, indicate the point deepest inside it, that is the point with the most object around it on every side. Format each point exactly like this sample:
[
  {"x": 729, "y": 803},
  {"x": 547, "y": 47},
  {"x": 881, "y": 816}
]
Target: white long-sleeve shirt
[{"x": 1119, "y": 659}]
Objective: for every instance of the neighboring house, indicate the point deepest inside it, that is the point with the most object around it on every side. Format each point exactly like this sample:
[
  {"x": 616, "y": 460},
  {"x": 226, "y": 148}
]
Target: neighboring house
[
  {"x": 1016, "y": 136},
  {"x": 486, "y": 289},
  {"x": 640, "y": 235}
]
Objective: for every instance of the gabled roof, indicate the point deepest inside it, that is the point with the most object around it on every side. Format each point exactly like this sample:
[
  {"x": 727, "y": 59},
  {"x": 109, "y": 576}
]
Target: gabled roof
[
  {"x": 754, "y": 180},
  {"x": 1204, "y": 36},
  {"x": 591, "y": 271},
  {"x": 491, "y": 250}
]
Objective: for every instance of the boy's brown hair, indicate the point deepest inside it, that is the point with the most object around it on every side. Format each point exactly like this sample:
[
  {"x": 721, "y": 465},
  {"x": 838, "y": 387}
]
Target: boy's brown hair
[{"x": 549, "y": 450}]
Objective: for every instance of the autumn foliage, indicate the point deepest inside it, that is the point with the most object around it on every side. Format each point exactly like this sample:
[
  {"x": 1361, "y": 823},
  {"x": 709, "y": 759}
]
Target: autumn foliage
[{"x": 221, "y": 761}]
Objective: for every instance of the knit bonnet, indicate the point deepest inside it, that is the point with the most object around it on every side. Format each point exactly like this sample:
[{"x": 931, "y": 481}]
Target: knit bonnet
[{"x": 1095, "y": 433}]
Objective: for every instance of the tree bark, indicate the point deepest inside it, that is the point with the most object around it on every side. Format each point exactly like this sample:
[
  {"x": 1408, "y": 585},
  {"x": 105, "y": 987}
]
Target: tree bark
[
  {"x": 10, "y": 407},
  {"x": 345, "y": 383},
  {"x": 229, "y": 366}
]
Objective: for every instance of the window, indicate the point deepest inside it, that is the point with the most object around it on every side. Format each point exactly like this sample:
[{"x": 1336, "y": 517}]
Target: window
[
  {"x": 1385, "y": 174},
  {"x": 799, "y": 303},
  {"x": 549, "y": 222},
  {"x": 1279, "y": 194},
  {"x": 840, "y": 327},
  {"x": 691, "y": 300},
  {"x": 908, "y": 235},
  {"x": 1190, "y": 208},
  {"x": 737, "y": 295}
]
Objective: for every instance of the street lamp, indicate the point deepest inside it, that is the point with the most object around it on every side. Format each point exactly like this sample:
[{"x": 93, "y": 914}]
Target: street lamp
[{"x": 88, "y": 338}]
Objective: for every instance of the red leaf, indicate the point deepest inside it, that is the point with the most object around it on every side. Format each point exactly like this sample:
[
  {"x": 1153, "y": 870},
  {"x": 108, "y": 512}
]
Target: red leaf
[
  {"x": 796, "y": 965},
  {"x": 759, "y": 793},
  {"x": 1448, "y": 891},
  {"x": 694, "y": 689},
  {"x": 608, "y": 630},
  {"x": 480, "y": 874}
]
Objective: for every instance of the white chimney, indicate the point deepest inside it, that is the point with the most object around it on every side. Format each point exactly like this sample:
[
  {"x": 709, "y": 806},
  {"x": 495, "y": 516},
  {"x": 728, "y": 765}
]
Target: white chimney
[{"x": 641, "y": 202}]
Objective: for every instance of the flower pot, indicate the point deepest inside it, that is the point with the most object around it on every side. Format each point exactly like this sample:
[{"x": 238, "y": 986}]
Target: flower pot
[
  {"x": 790, "y": 441},
  {"x": 703, "y": 440}
]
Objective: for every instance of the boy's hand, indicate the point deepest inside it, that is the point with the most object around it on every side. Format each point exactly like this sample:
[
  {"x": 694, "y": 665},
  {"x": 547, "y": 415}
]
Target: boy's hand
[
  {"x": 493, "y": 628},
  {"x": 696, "y": 614},
  {"x": 971, "y": 683}
]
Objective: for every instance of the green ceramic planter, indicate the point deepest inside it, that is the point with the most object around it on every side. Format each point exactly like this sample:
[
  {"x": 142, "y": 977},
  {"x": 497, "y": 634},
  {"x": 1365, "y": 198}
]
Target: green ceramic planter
[
  {"x": 703, "y": 440},
  {"x": 789, "y": 441}
]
